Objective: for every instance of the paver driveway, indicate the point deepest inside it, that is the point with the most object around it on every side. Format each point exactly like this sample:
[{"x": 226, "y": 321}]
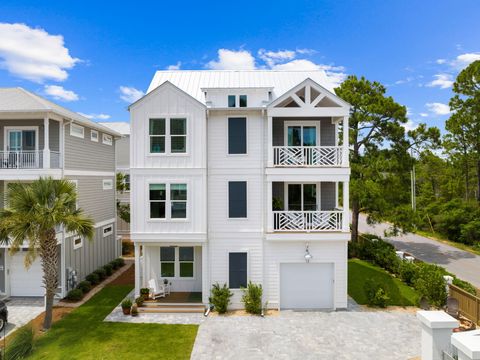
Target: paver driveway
[
  {"x": 352, "y": 335},
  {"x": 21, "y": 311}
]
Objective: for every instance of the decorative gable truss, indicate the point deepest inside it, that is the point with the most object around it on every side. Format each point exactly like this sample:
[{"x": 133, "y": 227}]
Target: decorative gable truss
[{"x": 308, "y": 99}]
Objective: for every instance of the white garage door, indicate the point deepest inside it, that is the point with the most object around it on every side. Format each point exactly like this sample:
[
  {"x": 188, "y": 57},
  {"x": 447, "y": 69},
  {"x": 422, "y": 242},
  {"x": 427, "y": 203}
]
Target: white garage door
[
  {"x": 25, "y": 282},
  {"x": 306, "y": 286}
]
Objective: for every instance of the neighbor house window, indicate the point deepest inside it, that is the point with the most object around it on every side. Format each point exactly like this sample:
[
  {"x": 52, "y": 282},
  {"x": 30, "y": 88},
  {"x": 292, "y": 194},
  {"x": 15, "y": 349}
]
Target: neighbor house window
[
  {"x": 243, "y": 100},
  {"x": 77, "y": 131},
  {"x": 232, "y": 101},
  {"x": 126, "y": 181},
  {"x": 107, "y": 139},
  {"x": 178, "y": 200},
  {"x": 186, "y": 259},
  {"x": 75, "y": 184},
  {"x": 94, "y": 135},
  {"x": 77, "y": 242},
  {"x": 107, "y": 184},
  {"x": 178, "y": 135},
  {"x": 237, "y": 270},
  {"x": 157, "y": 136},
  {"x": 237, "y": 199},
  {"x": 167, "y": 261},
  {"x": 107, "y": 230},
  {"x": 158, "y": 199},
  {"x": 237, "y": 136}
]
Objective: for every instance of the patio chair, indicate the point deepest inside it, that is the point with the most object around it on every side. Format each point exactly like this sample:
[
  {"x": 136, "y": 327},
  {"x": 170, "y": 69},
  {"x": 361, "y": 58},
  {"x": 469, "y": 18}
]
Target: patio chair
[
  {"x": 156, "y": 290},
  {"x": 452, "y": 307}
]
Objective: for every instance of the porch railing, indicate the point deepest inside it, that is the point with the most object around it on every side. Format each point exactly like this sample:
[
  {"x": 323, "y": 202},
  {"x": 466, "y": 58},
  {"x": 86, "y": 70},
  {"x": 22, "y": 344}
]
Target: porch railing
[
  {"x": 31, "y": 159},
  {"x": 307, "y": 220},
  {"x": 307, "y": 155}
]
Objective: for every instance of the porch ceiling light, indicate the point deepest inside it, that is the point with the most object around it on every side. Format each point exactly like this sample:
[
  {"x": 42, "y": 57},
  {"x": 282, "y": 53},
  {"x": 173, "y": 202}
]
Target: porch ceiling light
[{"x": 307, "y": 255}]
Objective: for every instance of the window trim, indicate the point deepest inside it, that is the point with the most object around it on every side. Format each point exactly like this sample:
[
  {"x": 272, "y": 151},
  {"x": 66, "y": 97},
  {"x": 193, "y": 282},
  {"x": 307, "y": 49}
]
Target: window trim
[
  {"x": 237, "y": 101},
  {"x": 228, "y": 266},
  {"x": 176, "y": 262},
  {"x": 193, "y": 263},
  {"x": 77, "y": 246},
  {"x": 73, "y": 125},
  {"x": 168, "y": 146},
  {"x": 228, "y": 200},
  {"x": 105, "y": 185},
  {"x": 246, "y": 135},
  {"x": 168, "y": 206},
  {"x": 246, "y": 101},
  {"x": 107, "y": 139},
  {"x": 91, "y": 135},
  {"x": 318, "y": 186},
  {"x": 168, "y": 261},
  {"x": 108, "y": 233},
  {"x": 302, "y": 124}
]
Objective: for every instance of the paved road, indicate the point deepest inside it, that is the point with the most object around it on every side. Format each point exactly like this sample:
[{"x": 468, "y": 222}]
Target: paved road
[{"x": 461, "y": 263}]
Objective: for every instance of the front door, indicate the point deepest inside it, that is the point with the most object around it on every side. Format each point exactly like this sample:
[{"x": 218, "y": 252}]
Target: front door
[
  {"x": 302, "y": 197},
  {"x": 22, "y": 145}
]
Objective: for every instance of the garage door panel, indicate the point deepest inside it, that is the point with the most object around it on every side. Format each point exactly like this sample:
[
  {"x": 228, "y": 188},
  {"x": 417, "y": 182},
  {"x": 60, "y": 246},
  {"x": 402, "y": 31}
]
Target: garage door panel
[
  {"x": 25, "y": 282},
  {"x": 306, "y": 286}
]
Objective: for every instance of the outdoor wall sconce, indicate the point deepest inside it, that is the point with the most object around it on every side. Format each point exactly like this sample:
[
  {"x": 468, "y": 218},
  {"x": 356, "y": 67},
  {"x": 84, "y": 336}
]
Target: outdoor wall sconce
[{"x": 307, "y": 255}]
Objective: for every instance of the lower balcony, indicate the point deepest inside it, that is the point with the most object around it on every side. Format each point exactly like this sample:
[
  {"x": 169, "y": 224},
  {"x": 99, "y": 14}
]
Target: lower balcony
[{"x": 29, "y": 159}]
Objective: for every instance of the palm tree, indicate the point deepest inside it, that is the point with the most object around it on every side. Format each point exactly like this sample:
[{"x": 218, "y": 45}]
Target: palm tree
[{"x": 33, "y": 211}]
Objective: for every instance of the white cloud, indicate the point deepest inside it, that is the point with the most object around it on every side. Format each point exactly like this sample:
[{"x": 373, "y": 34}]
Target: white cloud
[
  {"x": 441, "y": 61},
  {"x": 96, "y": 116},
  {"x": 410, "y": 125},
  {"x": 443, "y": 81},
  {"x": 273, "y": 57},
  {"x": 232, "y": 60},
  {"x": 34, "y": 54},
  {"x": 463, "y": 60},
  {"x": 130, "y": 94},
  {"x": 174, "y": 67},
  {"x": 59, "y": 93},
  {"x": 438, "y": 108},
  {"x": 423, "y": 114}
]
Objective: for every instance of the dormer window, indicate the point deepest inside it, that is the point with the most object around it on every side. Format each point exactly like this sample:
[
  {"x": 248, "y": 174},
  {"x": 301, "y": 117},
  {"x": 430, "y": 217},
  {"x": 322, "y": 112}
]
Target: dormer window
[
  {"x": 232, "y": 101},
  {"x": 243, "y": 100},
  {"x": 237, "y": 101}
]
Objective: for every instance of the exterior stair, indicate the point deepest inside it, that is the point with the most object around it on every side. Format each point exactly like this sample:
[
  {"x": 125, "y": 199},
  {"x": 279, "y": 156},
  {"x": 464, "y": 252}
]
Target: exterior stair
[{"x": 155, "y": 307}]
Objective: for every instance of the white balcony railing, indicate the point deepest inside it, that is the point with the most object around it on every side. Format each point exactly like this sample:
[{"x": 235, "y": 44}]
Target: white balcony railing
[
  {"x": 33, "y": 159},
  {"x": 307, "y": 155},
  {"x": 307, "y": 220}
]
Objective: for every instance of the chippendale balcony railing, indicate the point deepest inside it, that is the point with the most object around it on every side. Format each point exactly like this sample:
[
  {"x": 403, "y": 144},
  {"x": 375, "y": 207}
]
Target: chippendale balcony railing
[
  {"x": 307, "y": 220},
  {"x": 307, "y": 156}
]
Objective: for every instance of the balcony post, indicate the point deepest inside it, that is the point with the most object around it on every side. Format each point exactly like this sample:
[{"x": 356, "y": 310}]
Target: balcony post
[
  {"x": 345, "y": 147},
  {"x": 346, "y": 207},
  {"x": 269, "y": 207},
  {"x": 46, "y": 143},
  {"x": 270, "y": 141},
  {"x": 137, "y": 269}
]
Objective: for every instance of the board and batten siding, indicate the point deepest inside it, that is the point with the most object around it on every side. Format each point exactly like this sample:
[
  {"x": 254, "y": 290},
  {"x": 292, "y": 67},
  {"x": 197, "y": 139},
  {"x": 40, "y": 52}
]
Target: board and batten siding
[
  {"x": 327, "y": 130},
  {"x": 85, "y": 154},
  {"x": 93, "y": 253},
  {"x": 293, "y": 252},
  {"x": 97, "y": 203}
]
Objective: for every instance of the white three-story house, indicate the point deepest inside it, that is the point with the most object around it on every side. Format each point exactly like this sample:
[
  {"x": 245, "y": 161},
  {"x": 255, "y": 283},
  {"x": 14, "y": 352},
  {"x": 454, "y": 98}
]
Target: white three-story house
[{"x": 241, "y": 176}]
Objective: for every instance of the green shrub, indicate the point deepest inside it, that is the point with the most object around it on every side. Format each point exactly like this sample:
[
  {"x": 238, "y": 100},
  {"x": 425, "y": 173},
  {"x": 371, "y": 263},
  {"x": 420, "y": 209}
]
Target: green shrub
[
  {"x": 139, "y": 301},
  {"x": 408, "y": 272},
  {"x": 126, "y": 304},
  {"x": 85, "y": 286},
  {"x": 101, "y": 273},
  {"x": 113, "y": 264},
  {"x": 252, "y": 298},
  {"x": 75, "y": 295},
  {"x": 120, "y": 262},
  {"x": 470, "y": 232},
  {"x": 375, "y": 293},
  {"x": 108, "y": 269},
  {"x": 93, "y": 279},
  {"x": 430, "y": 283},
  {"x": 464, "y": 285},
  {"x": 220, "y": 298},
  {"x": 21, "y": 345}
]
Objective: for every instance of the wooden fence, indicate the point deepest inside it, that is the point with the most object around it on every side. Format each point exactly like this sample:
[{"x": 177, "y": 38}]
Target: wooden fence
[{"x": 468, "y": 304}]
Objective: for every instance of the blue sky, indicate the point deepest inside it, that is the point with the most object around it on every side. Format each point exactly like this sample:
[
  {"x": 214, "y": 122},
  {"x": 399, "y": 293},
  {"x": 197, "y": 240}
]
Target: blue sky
[{"x": 93, "y": 57}]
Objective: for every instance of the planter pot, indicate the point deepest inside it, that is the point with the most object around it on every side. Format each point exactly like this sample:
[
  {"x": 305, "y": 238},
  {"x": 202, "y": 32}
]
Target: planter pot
[
  {"x": 126, "y": 311},
  {"x": 134, "y": 314}
]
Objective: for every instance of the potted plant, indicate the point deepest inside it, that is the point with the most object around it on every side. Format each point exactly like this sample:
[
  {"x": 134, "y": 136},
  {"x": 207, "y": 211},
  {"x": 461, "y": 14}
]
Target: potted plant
[
  {"x": 139, "y": 301},
  {"x": 134, "y": 310},
  {"x": 145, "y": 292},
  {"x": 126, "y": 305},
  {"x": 165, "y": 281}
]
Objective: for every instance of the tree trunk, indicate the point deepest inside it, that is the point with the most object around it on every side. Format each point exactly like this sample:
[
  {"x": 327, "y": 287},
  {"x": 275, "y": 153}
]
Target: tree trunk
[
  {"x": 48, "y": 253},
  {"x": 478, "y": 180},
  {"x": 355, "y": 216}
]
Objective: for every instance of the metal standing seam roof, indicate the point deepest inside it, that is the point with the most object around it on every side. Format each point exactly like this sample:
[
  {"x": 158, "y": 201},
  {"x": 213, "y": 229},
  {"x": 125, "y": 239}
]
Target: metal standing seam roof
[
  {"x": 193, "y": 81},
  {"x": 21, "y": 100}
]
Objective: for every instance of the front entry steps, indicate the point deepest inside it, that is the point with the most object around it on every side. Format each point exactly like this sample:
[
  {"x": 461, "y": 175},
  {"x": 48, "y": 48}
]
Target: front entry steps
[{"x": 155, "y": 307}]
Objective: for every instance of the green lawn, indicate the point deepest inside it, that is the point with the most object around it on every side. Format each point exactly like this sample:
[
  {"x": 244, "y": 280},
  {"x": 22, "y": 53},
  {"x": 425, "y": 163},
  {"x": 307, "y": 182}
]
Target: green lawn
[
  {"x": 359, "y": 271},
  {"x": 82, "y": 334}
]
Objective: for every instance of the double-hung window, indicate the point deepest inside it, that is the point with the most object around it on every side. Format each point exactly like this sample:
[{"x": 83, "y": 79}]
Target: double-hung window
[
  {"x": 168, "y": 201},
  {"x": 168, "y": 135},
  {"x": 167, "y": 261},
  {"x": 177, "y": 262},
  {"x": 237, "y": 270},
  {"x": 185, "y": 257}
]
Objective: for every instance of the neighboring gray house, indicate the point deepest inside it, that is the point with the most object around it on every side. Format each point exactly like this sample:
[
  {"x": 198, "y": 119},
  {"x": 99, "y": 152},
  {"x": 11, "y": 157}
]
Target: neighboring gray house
[
  {"x": 40, "y": 138},
  {"x": 122, "y": 164}
]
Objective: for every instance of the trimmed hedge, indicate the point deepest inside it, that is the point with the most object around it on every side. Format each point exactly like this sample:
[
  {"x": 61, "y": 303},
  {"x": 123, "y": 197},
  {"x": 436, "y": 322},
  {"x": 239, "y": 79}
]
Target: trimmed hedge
[
  {"x": 108, "y": 269},
  {"x": 93, "y": 279},
  {"x": 75, "y": 295},
  {"x": 102, "y": 274},
  {"x": 85, "y": 286}
]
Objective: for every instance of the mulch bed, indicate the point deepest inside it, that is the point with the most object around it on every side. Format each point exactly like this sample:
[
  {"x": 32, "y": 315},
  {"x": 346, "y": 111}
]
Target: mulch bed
[{"x": 127, "y": 278}]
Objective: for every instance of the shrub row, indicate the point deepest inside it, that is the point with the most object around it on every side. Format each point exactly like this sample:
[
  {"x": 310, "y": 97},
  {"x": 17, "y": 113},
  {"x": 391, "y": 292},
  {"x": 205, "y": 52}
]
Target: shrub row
[
  {"x": 252, "y": 298},
  {"x": 93, "y": 279},
  {"x": 426, "y": 278}
]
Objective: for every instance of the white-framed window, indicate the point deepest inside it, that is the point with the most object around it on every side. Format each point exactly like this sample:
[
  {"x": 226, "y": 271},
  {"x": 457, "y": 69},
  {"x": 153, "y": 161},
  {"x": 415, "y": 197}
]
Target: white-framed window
[
  {"x": 237, "y": 270},
  {"x": 107, "y": 184},
  {"x": 168, "y": 135},
  {"x": 107, "y": 139},
  {"x": 126, "y": 181},
  {"x": 237, "y": 101},
  {"x": 107, "y": 230},
  {"x": 168, "y": 201},
  {"x": 77, "y": 242},
  {"x": 94, "y": 135},
  {"x": 177, "y": 262},
  {"x": 77, "y": 131}
]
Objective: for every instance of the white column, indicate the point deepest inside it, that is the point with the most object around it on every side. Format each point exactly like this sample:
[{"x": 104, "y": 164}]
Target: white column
[
  {"x": 346, "y": 207},
  {"x": 46, "y": 143},
  {"x": 205, "y": 275},
  {"x": 345, "y": 152},
  {"x": 269, "y": 207},
  {"x": 137, "y": 270},
  {"x": 467, "y": 344},
  {"x": 437, "y": 329},
  {"x": 270, "y": 141}
]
